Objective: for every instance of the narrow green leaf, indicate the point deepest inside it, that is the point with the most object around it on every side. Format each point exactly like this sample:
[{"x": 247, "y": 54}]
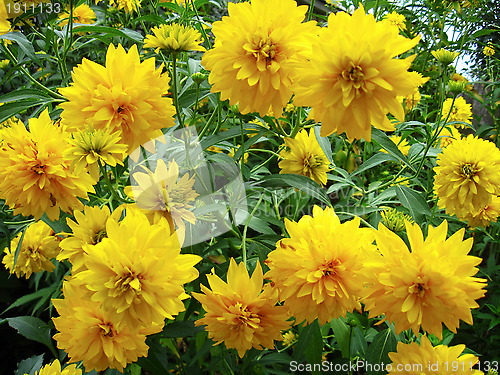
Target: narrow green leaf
[
  {"x": 324, "y": 143},
  {"x": 413, "y": 201},
  {"x": 30, "y": 365},
  {"x": 375, "y": 160},
  {"x": 383, "y": 140},
  {"x": 377, "y": 353},
  {"x": 23, "y": 94},
  {"x": 23, "y": 43},
  {"x": 127, "y": 33},
  {"x": 299, "y": 182},
  {"x": 310, "y": 343},
  {"x": 32, "y": 296}
]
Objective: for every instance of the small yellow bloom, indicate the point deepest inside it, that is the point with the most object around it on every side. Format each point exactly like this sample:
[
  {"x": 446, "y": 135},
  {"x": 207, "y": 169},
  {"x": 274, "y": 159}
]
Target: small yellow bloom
[
  {"x": 4, "y": 64},
  {"x": 289, "y": 338},
  {"x": 55, "y": 369},
  {"x": 305, "y": 157},
  {"x": 241, "y": 312},
  {"x": 174, "y": 38},
  {"x": 129, "y": 6},
  {"x": 467, "y": 176},
  {"x": 489, "y": 50},
  {"x": 92, "y": 147},
  {"x": 444, "y": 57},
  {"x": 396, "y": 19},
  {"x": 402, "y": 144},
  {"x": 448, "y": 136},
  {"x": 81, "y": 14},
  {"x": 457, "y": 110},
  {"x": 410, "y": 101},
  {"x": 38, "y": 247},
  {"x": 415, "y": 359},
  {"x": 395, "y": 220},
  {"x": 485, "y": 216}
]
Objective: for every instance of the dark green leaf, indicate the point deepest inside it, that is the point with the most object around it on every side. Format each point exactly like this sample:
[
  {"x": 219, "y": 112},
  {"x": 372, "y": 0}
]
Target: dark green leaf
[
  {"x": 30, "y": 365},
  {"x": 383, "y": 140},
  {"x": 377, "y": 353},
  {"x": 34, "y": 329},
  {"x": 413, "y": 201},
  {"x": 23, "y": 43},
  {"x": 296, "y": 181},
  {"x": 324, "y": 143},
  {"x": 342, "y": 334},
  {"x": 310, "y": 343},
  {"x": 127, "y": 33},
  {"x": 181, "y": 329},
  {"x": 24, "y": 94},
  {"x": 375, "y": 160},
  {"x": 32, "y": 296}
]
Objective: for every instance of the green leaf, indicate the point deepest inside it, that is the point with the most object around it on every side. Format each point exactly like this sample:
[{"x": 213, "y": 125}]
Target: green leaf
[
  {"x": 383, "y": 343},
  {"x": 181, "y": 329},
  {"x": 30, "y": 365},
  {"x": 32, "y": 296},
  {"x": 375, "y": 160},
  {"x": 310, "y": 343},
  {"x": 34, "y": 329},
  {"x": 324, "y": 143},
  {"x": 23, "y": 43},
  {"x": 383, "y": 140},
  {"x": 413, "y": 201},
  {"x": 24, "y": 94},
  {"x": 228, "y": 134},
  {"x": 10, "y": 109},
  {"x": 299, "y": 182},
  {"x": 342, "y": 334},
  {"x": 58, "y": 226},
  {"x": 127, "y": 33}
]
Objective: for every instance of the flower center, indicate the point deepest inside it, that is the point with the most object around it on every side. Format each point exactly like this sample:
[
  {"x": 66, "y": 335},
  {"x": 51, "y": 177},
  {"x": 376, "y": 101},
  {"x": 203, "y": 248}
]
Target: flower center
[
  {"x": 107, "y": 329},
  {"x": 99, "y": 236},
  {"x": 129, "y": 281},
  {"x": 246, "y": 317},
  {"x": 38, "y": 168},
  {"x": 311, "y": 162},
  {"x": 419, "y": 287},
  {"x": 330, "y": 269},
  {"x": 353, "y": 73},
  {"x": 262, "y": 48},
  {"x": 468, "y": 170}
]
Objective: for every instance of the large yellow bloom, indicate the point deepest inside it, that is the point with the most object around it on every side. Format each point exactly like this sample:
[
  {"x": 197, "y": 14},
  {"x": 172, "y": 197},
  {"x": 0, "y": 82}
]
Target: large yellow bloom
[
  {"x": 485, "y": 216},
  {"x": 431, "y": 285},
  {"x": 130, "y": 6},
  {"x": 241, "y": 313},
  {"x": 318, "y": 270},
  {"x": 352, "y": 79},
  {"x": 415, "y": 359},
  {"x": 38, "y": 247},
  {"x": 137, "y": 271},
  {"x": 126, "y": 96},
  {"x": 89, "y": 229},
  {"x": 305, "y": 157},
  {"x": 467, "y": 176},
  {"x": 55, "y": 369},
  {"x": 256, "y": 48},
  {"x": 174, "y": 38},
  {"x": 162, "y": 194},
  {"x": 37, "y": 176},
  {"x": 457, "y": 110},
  {"x": 91, "y": 334}
]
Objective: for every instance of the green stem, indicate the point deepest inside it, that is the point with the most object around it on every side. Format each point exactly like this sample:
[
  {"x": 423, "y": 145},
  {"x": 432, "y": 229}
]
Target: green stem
[
  {"x": 53, "y": 94},
  {"x": 243, "y": 239},
  {"x": 311, "y": 9},
  {"x": 174, "y": 89}
]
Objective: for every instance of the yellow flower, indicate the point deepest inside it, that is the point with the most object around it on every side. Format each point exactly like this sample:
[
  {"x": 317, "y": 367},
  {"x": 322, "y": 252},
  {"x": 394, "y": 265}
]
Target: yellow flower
[
  {"x": 410, "y": 101},
  {"x": 4, "y": 24},
  {"x": 38, "y": 247},
  {"x": 318, "y": 270},
  {"x": 81, "y": 14},
  {"x": 91, "y": 147},
  {"x": 395, "y": 19},
  {"x": 89, "y": 229},
  {"x": 305, "y": 157},
  {"x": 174, "y": 38},
  {"x": 467, "y": 176},
  {"x": 448, "y": 136},
  {"x": 129, "y": 6},
  {"x": 457, "y": 110},
  {"x": 485, "y": 216},
  {"x": 126, "y": 96},
  {"x": 162, "y": 194},
  {"x": 394, "y": 219},
  {"x": 255, "y": 54},
  {"x": 4, "y": 64},
  {"x": 241, "y": 313},
  {"x": 289, "y": 338},
  {"x": 444, "y": 57},
  {"x": 55, "y": 369},
  {"x": 352, "y": 79},
  {"x": 460, "y": 78},
  {"x": 431, "y": 285},
  {"x": 489, "y": 50},
  {"x": 91, "y": 334},
  {"x": 40, "y": 178},
  {"x": 415, "y": 359},
  {"x": 402, "y": 144},
  {"x": 137, "y": 271}
]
